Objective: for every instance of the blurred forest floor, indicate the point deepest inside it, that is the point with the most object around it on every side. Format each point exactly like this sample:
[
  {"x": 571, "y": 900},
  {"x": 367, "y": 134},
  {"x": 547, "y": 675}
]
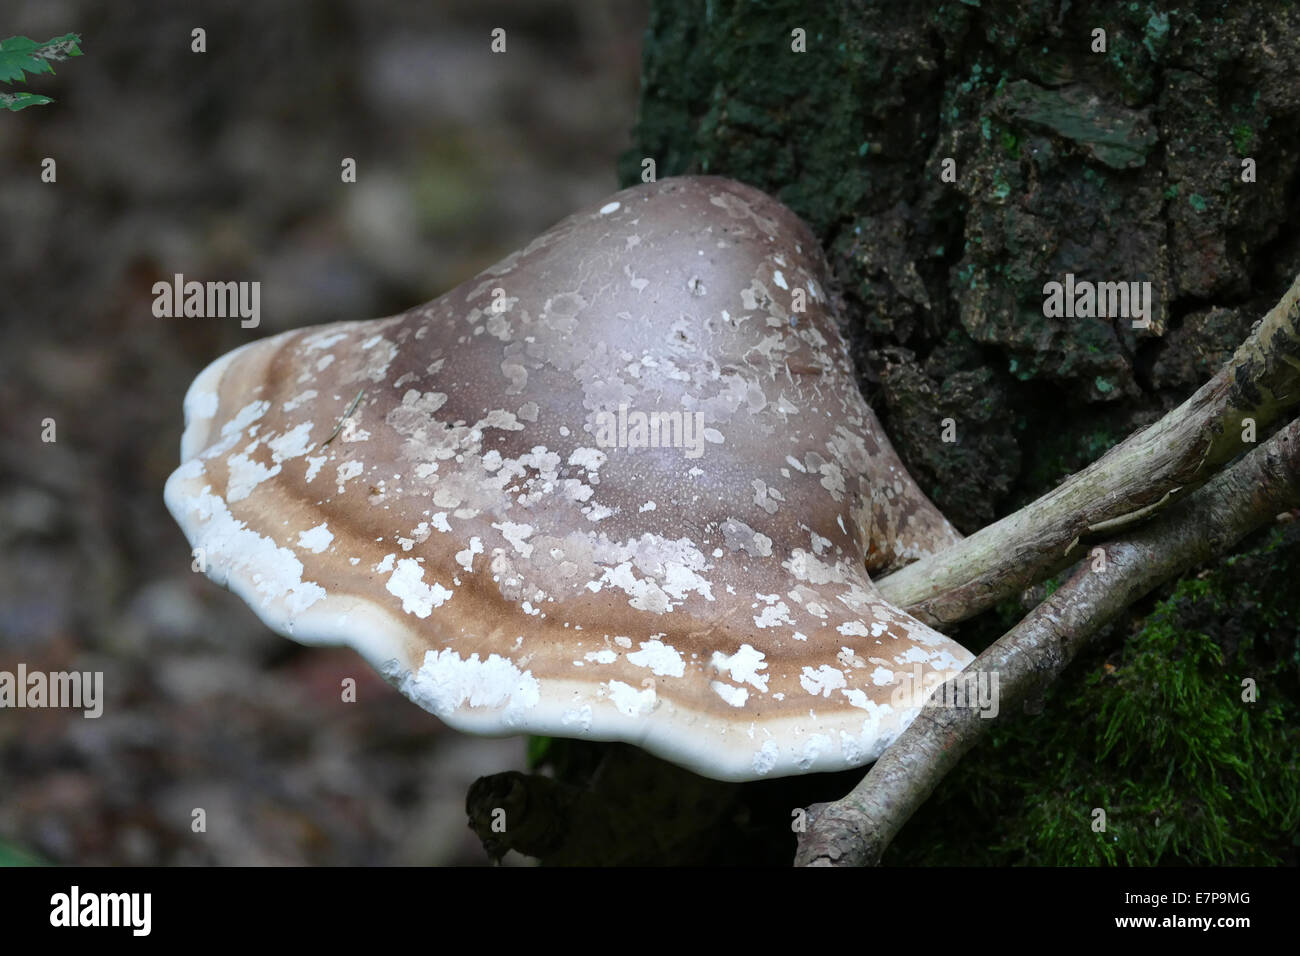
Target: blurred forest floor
[{"x": 225, "y": 165}]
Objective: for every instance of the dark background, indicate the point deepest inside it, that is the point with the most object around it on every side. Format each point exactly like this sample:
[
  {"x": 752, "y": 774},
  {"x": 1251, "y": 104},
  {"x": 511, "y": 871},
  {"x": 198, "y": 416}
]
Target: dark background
[{"x": 226, "y": 165}]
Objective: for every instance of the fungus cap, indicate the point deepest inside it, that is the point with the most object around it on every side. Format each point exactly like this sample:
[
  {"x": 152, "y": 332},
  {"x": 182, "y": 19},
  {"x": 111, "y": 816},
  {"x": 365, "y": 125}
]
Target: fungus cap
[{"x": 621, "y": 485}]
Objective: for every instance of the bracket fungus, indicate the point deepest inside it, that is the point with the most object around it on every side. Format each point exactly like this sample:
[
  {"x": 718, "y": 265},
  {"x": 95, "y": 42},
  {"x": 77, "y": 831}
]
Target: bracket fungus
[{"x": 621, "y": 486}]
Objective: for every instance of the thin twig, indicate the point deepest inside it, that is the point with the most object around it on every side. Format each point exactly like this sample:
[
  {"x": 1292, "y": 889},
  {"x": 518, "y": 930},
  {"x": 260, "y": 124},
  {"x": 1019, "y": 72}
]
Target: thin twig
[
  {"x": 855, "y": 830},
  {"x": 1181, "y": 451}
]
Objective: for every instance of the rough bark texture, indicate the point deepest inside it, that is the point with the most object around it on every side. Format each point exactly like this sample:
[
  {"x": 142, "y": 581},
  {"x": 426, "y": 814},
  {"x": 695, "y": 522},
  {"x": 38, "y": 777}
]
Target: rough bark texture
[
  {"x": 1135, "y": 478},
  {"x": 855, "y": 830},
  {"x": 1122, "y": 165}
]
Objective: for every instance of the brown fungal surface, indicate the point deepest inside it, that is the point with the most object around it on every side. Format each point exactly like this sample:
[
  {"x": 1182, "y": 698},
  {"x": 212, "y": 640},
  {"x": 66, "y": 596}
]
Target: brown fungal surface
[{"x": 495, "y": 532}]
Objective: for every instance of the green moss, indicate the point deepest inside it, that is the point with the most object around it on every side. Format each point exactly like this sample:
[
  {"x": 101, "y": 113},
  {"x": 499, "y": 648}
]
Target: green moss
[
  {"x": 1157, "y": 32},
  {"x": 1242, "y": 137},
  {"x": 730, "y": 97},
  {"x": 1155, "y": 733}
]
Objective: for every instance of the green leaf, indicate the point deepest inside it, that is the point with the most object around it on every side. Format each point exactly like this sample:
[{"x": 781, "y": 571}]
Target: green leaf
[
  {"x": 20, "y": 55},
  {"x": 18, "y": 101},
  {"x": 11, "y": 855},
  {"x": 538, "y": 749}
]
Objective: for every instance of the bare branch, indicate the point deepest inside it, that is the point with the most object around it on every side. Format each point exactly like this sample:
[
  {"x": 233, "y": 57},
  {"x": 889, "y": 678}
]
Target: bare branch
[
  {"x": 855, "y": 830},
  {"x": 1158, "y": 464}
]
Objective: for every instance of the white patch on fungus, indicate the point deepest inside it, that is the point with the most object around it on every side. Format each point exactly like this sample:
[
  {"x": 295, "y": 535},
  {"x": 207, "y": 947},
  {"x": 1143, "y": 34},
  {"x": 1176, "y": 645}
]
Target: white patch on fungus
[
  {"x": 645, "y": 594},
  {"x": 201, "y": 405},
  {"x": 347, "y": 471},
  {"x": 293, "y": 443},
  {"x": 663, "y": 661},
  {"x": 516, "y": 534},
  {"x": 418, "y": 598},
  {"x": 232, "y": 429},
  {"x": 773, "y": 615},
  {"x": 945, "y": 661},
  {"x": 300, "y": 399},
  {"x": 446, "y": 682},
  {"x": 232, "y": 549},
  {"x": 822, "y": 681},
  {"x": 322, "y": 340},
  {"x": 766, "y": 757},
  {"x": 315, "y": 539},
  {"x": 500, "y": 418},
  {"x": 579, "y": 718},
  {"x": 588, "y": 458},
  {"x": 245, "y": 475},
  {"x": 853, "y": 749},
  {"x": 629, "y": 700},
  {"x": 743, "y": 666},
  {"x": 352, "y": 431},
  {"x": 678, "y": 579},
  {"x": 465, "y": 558},
  {"x": 815, "y": 746},
  {"x": 735, "y": 696},
  {"x": 858, "y": 698}
]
